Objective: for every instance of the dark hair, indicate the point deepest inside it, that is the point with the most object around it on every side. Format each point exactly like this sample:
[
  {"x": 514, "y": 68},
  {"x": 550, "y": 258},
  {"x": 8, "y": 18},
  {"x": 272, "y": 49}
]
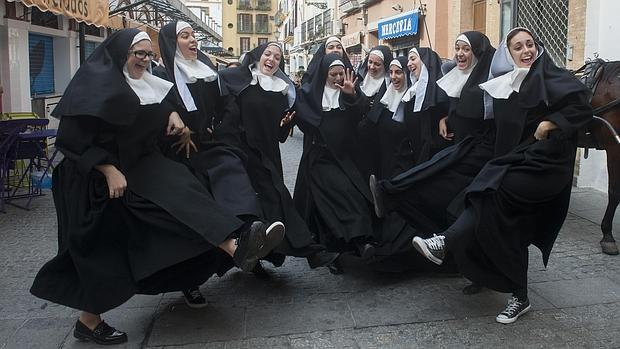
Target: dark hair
[{"x": 516, "y": 31}]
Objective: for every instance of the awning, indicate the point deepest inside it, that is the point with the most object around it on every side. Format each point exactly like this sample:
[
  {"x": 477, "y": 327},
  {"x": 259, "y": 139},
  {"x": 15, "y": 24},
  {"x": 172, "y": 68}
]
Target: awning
[
  {"x": 88, "y": 11},
  {"x": 403, "y": 24},
  {"x": 156, "y": 13}
]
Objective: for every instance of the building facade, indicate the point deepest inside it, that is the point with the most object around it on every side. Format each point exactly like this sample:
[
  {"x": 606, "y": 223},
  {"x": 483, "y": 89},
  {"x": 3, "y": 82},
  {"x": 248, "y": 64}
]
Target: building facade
[
  {"x": 247, "y": 24},
  {"x": 39, "y": 53}
]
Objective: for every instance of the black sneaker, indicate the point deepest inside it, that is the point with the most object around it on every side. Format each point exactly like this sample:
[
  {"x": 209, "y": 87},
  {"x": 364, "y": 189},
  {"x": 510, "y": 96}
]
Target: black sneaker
[
  {"x": 514, "y": 309},
  {"x": 194, "y": 299},
  {"x": 273, "y": 237},
  {"x": 377, "y": 197},
  {"x": 249, "y": 244},
  {"x": 434, "y": 249},
  {"x": 102, "y": 334}
]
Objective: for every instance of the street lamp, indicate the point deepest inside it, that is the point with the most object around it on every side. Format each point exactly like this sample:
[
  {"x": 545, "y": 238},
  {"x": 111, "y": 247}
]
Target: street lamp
[{"x": 276, "y": 34}]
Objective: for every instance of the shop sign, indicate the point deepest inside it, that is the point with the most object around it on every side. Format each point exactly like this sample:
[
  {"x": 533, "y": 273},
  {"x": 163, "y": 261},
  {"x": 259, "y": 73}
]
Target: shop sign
[
  {"x": 351, "y": 40},
  {"x": 397, "y": 26},
  {"x": 89, "y": 11}
]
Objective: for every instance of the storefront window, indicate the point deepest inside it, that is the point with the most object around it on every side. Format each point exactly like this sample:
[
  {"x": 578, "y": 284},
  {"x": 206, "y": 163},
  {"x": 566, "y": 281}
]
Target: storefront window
[{"x": 44, "y": 19}]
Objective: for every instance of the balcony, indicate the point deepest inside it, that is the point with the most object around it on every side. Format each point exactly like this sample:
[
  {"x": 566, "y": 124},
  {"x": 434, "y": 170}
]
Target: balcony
[
  {"x": 367, "y": 2},
  {"x": 348, "y": 6},
  {"x": 256, "y": 5},
  {"x": 262, "y": 28},
  {"x": 244, "y": 5},
  {"x": 263, "y": 6}
]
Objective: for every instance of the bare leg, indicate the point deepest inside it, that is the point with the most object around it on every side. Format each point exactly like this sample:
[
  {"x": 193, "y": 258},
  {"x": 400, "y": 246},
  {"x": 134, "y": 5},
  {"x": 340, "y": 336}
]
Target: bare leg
[
  {"x": 229, "y": 246},
  {"x": 90, "y": 320}
]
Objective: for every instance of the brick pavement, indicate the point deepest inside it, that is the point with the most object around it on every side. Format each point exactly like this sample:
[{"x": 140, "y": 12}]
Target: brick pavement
[{"x": 575, "y": 301}]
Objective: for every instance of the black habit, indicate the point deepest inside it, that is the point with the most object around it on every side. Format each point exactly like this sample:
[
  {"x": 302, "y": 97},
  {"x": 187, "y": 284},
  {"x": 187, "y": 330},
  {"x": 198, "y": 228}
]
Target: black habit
[
  {"x": 258, "y": 133},
  {"x": 161, "y": 235},
  {"x": 367, "y": 127},
  {"x": 330, "y": 191},
  {"x": 313, "y": 65},
  {"x": 220, "y": 166},
  {"x": 423, "y": 125},
  {"x": 521, "y": 197},
  {"x": 465, "y": 116}
]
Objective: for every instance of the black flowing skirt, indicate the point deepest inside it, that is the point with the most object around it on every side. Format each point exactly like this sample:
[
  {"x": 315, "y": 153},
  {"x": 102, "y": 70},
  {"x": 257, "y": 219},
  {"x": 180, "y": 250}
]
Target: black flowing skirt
[
  {"x": 518, "y": 199},
  {"x": 145, "y": 242},
  {"x": 340, "y": 211},
  {"x": 429, "y": 195}
]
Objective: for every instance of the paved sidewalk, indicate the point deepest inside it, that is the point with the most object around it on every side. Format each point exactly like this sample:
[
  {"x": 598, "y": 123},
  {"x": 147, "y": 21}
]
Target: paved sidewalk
[{"x": 575, "y": 301}]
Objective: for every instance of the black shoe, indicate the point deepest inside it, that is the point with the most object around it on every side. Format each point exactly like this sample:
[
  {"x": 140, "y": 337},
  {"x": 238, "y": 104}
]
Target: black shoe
[
  {"x": 248, "y": 246},
  {"x": 321, "y": 259},
  {"x": 335, "y": 267},
  {"x": 260, "y": 272},
  {"x": 472, "y": 289},
  {"x": 273, "y": 237},
  {"x": 377, "y": 197},
  {"x": 194, "y": 299},
  {"x": 367, "y": 251},
  {"x": 514, "y": 309},
  {"x": 102, "y": 334}
]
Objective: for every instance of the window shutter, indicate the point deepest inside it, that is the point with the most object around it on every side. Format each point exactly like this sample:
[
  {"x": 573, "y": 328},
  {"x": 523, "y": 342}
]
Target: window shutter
[{"x": 41, "y": 50}]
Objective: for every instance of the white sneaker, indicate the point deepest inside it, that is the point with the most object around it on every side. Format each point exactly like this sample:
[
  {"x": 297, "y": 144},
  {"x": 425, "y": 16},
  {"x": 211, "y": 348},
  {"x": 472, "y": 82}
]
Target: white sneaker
[
  {"x": 434, "y": 249},
  {"x": 514, "y": 309}
]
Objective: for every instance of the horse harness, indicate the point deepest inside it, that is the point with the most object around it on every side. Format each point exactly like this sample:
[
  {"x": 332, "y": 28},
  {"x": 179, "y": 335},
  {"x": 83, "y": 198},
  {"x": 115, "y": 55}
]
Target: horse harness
[{"x": 590, "y": 75}]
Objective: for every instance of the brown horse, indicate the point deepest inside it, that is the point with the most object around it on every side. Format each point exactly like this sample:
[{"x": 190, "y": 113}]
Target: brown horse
[{"x": 603, "y": 78}]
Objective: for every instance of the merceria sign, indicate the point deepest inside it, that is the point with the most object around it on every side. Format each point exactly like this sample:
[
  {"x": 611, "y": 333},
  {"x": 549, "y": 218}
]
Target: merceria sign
[{"x": 397, "y": 26}]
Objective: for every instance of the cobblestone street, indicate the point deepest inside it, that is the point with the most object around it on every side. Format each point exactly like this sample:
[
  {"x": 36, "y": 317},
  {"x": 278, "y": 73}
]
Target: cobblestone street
[{"x": 575, "y": 300}]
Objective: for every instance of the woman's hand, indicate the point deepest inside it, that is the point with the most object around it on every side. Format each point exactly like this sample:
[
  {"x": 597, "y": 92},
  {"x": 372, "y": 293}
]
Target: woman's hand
[
  {"x": 185, "y": 142},
  {"x": 287, "y": 118},
  {"x": 175, "y": 124},
  {"x": 542, "y": 131},
  {"x": 443, "y": 129},
  {"x": 348, "y": 85},
  {"x": 115, "y": 179}
]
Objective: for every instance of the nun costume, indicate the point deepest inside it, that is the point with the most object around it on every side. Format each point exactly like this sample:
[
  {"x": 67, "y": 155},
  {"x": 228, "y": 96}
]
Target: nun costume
[
  {"x": 332, "y": 44},
  {"x": 391, "y": 131},
  {"x": 427, "y": 194},
  {"x": 265, "y": 98},
  {"x": 466, "y": 114},
  {"x": 130, "y": 221},
  {"x": 373, "y": 77},
  {"x": 521, "y": 196},
  {"x": 393, "y": 251},
  {"x": 197, "y": 99},
  {"x": 330, "y": 191},
  {"x": 425, "y": 105}
]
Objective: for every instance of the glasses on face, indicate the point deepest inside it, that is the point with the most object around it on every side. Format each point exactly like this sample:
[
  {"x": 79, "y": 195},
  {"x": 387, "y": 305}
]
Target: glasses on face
[{"x": 142, "y": 54}]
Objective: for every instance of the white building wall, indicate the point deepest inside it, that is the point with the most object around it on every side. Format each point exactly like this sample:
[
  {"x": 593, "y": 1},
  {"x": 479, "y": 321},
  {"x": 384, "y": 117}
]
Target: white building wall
[
  {"x": 15, "y": 71},
  {"x": 602, "y": 28},
  {"x": 14, "y": 62}
]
